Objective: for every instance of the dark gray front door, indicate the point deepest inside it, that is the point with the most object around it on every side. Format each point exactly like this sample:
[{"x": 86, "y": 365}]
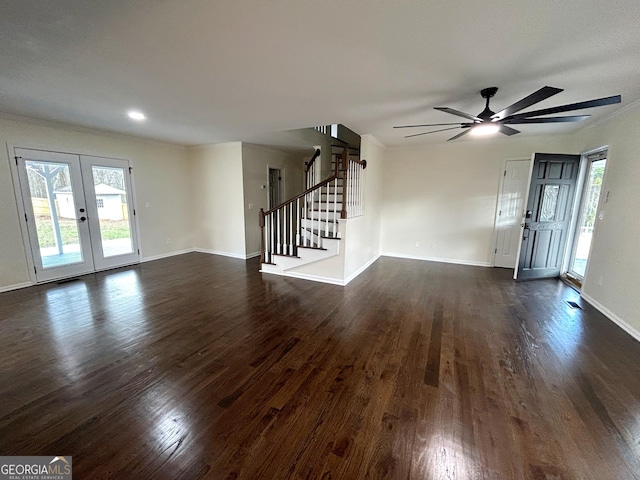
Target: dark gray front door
[{"x": 548, "y": 217}]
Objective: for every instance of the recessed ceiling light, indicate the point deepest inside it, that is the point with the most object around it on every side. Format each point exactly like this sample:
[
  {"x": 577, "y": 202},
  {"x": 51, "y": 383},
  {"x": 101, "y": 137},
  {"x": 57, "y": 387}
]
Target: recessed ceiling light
[
  {"x": 136, "y": 115},
  {"x": 485, "y": 129}
]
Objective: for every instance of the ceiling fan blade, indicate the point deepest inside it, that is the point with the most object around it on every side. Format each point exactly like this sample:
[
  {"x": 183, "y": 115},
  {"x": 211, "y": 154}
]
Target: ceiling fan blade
[
  {"x": 434, "y": 131},
  {"x": 535, "y": 97},
  {"x": 508, "y": 130},
  {"x": 458, "y": 113},
  {"x": 567, "y": 108},
  {"x": 571, "y": 118},
  {"x": 459, "y": 135},
  {"x": 428, "y": 125}
]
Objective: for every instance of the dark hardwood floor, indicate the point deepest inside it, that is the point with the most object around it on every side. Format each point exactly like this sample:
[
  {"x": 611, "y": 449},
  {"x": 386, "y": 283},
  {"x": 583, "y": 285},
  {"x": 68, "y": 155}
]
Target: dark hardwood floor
[{"x": 197, "y": 366}]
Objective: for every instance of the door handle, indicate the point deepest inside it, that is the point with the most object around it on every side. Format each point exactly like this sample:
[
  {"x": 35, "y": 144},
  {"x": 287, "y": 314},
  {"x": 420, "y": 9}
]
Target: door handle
[{"x": 525, "y": 232}]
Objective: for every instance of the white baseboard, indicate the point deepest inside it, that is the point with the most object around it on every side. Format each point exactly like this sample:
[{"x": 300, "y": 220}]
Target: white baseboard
[
  {"x": 166, "y": 255},
  {"x": 436, "y": 259},
  {"x": 360, "y": 270},
  {"x": 218, "y": 252},
  {"x": 16, "y": 286},
  {"x": 314, "y": 278},
  {"x": 201, "y": 250},
  {"x": 612, "y": 316}
]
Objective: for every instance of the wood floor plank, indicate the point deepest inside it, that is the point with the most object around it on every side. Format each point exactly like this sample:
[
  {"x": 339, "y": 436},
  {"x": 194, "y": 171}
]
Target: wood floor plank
[{"x": 199, "y": 367}]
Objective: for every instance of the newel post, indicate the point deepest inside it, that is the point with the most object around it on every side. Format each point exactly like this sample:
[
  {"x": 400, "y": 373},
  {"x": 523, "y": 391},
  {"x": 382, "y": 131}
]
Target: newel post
[{"x": 262, "y": 246}]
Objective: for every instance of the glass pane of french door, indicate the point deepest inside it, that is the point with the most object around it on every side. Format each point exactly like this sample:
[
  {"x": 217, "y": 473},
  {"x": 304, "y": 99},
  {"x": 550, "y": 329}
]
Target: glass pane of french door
[
  {"x": 113, "y": 214},
  {"x": 54, "y": 212},
  {"x": 588, "y": 210}
]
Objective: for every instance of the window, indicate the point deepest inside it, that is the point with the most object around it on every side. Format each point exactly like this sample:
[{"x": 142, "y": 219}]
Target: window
[{"x": 100, "y": 202}]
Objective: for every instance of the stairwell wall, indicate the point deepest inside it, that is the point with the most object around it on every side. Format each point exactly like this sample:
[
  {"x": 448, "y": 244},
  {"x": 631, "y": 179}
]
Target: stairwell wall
[{"x": 362, "y": 245}]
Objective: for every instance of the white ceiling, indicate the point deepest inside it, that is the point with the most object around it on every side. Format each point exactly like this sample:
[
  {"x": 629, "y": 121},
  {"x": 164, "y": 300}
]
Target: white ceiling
[{"x": 212, "y": 71}]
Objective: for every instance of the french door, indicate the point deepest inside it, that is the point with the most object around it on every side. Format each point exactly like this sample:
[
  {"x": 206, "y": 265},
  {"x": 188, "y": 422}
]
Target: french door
[{"x": 78, "y": 212}]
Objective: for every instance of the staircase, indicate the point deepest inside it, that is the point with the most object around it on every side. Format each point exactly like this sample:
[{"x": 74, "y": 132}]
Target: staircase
[{"x": 306, "y": 228}]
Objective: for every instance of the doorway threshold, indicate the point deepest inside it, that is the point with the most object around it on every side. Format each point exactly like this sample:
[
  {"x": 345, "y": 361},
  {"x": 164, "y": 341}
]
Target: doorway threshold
[{"x": 572, "y": 282}]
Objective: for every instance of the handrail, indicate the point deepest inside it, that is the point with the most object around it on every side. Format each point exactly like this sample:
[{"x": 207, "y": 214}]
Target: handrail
[
  {"x": 306, "y": 192},
  {"x": 313, "y": 159}
]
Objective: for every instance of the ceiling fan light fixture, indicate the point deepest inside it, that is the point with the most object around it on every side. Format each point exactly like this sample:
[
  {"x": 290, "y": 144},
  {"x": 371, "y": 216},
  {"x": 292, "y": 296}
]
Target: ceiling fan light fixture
[{"x": 484, "y": 129}]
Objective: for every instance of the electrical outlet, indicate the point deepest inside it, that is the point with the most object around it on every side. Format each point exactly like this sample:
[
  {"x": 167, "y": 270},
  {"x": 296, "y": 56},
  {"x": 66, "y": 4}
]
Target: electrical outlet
[
  {"x": 168, "y": 241},
  {"x": 147, "y": 204},
  {"x": 417, "y": 244},
  {"x": 600, "y": 280},
  {"x": 250, "y": 206}
]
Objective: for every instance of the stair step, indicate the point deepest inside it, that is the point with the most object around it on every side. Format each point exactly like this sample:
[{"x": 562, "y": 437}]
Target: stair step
[
  {"x": 320, "y": 233},
  {"x": 312, "y": 248},
  {"x": 324, "y": 220},
  {"x": 284, "y": 255}
]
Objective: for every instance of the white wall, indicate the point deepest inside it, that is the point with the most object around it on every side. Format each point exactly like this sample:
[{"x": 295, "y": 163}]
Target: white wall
[
  {"x": 256, "y": 161},
  {"x": 158, "y": 169},
  {"x": 444, "y": 196},
  {"x": 217, "y": 193},
  {"x": 611, "y": 282},
  {"x": 363, "y": 233}
]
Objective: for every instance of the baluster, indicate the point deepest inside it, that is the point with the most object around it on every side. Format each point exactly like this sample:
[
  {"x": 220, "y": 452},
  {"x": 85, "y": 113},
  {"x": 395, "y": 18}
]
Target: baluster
[
  {"x": 306, "y": 216},
  {"x": 290, "y": 229},
  {"x": 277, "y": 212},
  {"x": 335, "y": 208},
  {"x": 356, "y": 172},
  {"x": 270, "y": 238},
  {"x": 362, "y": 190},
  {"x": 262, "y": 234},
  {"x": 326, "y": 213},
  {"x": 314, "y": 216},
  {"x": 344, "y": 174}
]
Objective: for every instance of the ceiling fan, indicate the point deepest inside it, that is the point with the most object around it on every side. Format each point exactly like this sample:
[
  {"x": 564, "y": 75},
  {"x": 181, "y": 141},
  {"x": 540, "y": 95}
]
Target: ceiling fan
[{"x": 488, "y": 122}]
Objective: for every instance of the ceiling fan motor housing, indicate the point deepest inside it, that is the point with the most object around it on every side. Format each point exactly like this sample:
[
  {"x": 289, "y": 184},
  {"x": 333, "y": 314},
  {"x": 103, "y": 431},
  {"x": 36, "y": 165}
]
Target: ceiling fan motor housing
[{"x": 487, "y": 93}]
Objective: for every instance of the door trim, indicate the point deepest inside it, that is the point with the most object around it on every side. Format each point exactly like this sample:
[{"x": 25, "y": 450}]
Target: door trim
[
  {"x": 577, "y": 209},
  {"x": 494, "y": 237},
  {"x": 283, "y": 183},
  {"x": 17, "y": 193}
]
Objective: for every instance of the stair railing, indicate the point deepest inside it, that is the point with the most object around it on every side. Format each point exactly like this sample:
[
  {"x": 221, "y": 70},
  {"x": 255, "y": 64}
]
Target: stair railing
[
  {"x": 305, "y": 219},
  {"x": 352, "y": 185},
  {"x": 282, "y": 230}
]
